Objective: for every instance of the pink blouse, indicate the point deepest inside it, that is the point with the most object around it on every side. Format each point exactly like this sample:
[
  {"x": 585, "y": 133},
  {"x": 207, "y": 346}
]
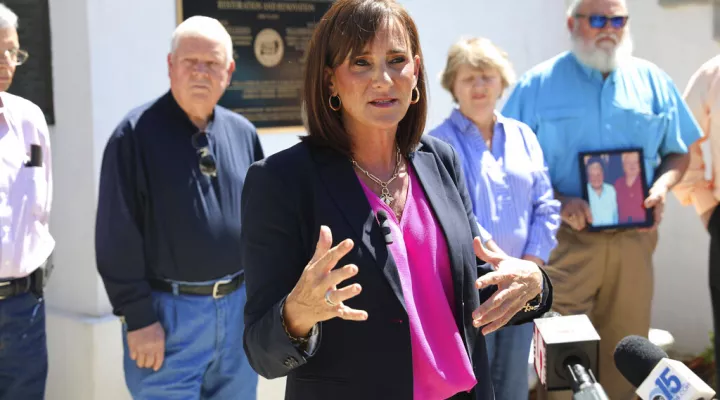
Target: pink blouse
[{"x": 441, "y": 366}]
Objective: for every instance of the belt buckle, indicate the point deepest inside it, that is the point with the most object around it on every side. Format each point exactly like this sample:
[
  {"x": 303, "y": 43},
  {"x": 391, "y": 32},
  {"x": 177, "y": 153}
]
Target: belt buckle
[
  {"x": 216, "y": 286},
  {"x": 5, "y": 283}
]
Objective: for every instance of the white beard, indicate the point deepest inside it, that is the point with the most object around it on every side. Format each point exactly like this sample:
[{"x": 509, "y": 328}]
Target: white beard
[{"x": 603, "y": 58}]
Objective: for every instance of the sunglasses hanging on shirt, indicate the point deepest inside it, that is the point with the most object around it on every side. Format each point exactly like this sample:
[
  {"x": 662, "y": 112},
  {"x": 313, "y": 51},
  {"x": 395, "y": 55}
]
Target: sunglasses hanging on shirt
[{"x": 207, "y": 163}]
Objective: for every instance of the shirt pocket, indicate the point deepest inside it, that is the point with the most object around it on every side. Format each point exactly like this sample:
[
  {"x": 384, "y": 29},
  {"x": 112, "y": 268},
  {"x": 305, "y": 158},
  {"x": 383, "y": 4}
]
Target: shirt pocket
[
  {"x": 560, "y": 130},
  {"x": 641, "y": 129}
]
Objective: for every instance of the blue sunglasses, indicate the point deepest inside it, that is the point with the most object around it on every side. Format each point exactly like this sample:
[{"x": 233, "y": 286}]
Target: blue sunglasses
[{"x": 600, "y": 21}]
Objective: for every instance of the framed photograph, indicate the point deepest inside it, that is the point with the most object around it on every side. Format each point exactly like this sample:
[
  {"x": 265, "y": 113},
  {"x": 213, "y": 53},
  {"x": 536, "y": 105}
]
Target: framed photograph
[{"x": 613, "y": 183}]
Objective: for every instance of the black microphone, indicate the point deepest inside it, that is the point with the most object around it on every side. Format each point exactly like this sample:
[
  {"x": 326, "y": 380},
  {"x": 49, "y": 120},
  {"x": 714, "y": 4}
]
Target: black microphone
[
  {"x": 635, "y": 357},
  {"x": 566, "y": 352},
  {"x": 384, "y": 226},
  {"x": 35, "y": 156}
]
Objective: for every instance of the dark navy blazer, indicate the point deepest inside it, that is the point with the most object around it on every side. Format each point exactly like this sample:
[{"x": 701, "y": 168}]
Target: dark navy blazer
[{"x": 286, "y": 198}]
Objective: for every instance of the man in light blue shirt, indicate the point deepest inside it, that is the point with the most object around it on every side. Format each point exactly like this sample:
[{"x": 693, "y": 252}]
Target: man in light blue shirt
[
  {"x": 601, "y": 196},
  {"x": 598, "y": 97}
]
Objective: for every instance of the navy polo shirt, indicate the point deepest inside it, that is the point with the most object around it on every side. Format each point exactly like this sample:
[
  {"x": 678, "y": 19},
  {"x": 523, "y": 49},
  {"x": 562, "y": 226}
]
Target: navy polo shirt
[{"x": 158, "y": 215}]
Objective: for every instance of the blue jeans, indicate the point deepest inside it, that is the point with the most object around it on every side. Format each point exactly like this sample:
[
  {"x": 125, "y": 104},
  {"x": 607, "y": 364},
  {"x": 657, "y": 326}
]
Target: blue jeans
[
  {"x": 23, "y": 348},
  {"x": 508, "y": 352},
  {"x": 204, "y": 356}
]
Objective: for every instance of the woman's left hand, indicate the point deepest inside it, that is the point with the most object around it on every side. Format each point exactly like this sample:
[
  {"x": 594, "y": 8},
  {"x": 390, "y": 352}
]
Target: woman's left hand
[{"x": 518, "y": 281}]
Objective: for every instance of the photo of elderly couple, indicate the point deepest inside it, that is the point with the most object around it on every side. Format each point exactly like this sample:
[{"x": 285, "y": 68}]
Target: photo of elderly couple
[{"x": 614, "y": 188}]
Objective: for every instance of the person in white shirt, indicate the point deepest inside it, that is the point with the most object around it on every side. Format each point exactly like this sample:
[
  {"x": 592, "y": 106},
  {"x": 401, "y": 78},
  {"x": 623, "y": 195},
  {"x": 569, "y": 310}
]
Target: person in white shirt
[
  {"x": 25, "y": 241},
  {"x": 702, "y": 95}
]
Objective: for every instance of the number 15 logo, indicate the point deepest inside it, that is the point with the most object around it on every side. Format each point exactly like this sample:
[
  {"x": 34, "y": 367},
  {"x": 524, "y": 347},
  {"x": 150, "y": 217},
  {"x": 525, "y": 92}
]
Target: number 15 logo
[{"x": 667, "y": 386}]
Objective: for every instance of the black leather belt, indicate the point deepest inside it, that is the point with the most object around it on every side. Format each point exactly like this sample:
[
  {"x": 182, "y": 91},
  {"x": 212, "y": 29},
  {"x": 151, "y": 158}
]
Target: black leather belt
[
  {"x": 15, "y": 287},
  {"x": 216, "y": 290}
]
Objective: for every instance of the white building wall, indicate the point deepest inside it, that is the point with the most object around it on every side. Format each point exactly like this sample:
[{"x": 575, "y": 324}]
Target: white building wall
[{"x": 110, "y": 56}]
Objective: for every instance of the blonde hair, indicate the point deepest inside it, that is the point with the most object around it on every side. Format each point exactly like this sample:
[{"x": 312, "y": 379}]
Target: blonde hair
[{"x": 479, "y": 53}]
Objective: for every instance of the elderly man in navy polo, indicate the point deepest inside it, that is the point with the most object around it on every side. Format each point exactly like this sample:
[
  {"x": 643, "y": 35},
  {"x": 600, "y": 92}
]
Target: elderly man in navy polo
[{"x": 168, "y": 228}]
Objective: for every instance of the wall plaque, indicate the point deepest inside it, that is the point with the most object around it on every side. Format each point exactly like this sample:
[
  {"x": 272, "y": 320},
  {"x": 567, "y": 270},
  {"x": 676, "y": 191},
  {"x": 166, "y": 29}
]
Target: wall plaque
[{"x": 270, "y": 41}]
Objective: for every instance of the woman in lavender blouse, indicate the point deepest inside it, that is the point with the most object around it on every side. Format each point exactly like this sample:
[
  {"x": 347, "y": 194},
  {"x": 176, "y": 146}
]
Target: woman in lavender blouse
[{"x": 510, "y": 190}]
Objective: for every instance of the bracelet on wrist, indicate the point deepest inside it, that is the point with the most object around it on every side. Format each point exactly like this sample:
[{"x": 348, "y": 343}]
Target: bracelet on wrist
[{"x": 296, "y": 340}]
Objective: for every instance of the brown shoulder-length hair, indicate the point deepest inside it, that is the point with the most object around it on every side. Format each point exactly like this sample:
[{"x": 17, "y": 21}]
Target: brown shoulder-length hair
[{"x": 345, "y": 30}]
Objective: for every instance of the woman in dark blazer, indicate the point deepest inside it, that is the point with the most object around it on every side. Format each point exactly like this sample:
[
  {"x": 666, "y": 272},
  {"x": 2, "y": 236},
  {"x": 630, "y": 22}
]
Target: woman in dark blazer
[{"x": 348, "y": 309}]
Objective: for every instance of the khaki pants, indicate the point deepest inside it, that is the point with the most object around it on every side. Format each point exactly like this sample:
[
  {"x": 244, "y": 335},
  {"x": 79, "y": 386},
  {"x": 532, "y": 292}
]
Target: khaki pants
[{"x": 609, "y": 277}]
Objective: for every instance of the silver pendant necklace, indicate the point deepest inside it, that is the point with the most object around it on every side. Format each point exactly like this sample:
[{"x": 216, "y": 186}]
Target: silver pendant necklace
[{"x": 385, "y": 195}]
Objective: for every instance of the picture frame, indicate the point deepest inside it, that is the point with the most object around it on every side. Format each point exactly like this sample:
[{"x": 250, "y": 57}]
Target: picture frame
[{"x": 614, "y": 185}]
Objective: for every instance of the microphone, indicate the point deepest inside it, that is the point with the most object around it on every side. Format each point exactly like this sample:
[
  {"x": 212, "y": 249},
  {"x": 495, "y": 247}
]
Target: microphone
[
  {"x": 655, "y": 375},
  {"x": 35, "y": 156},
  {"x": 384, "y": 226},
  {"x": 566, "y": 353}
]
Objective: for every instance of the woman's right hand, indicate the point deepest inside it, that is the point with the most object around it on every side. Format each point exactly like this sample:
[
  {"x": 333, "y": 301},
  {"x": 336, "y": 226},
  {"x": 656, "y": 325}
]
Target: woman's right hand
[{"x": 316, "y": 298}]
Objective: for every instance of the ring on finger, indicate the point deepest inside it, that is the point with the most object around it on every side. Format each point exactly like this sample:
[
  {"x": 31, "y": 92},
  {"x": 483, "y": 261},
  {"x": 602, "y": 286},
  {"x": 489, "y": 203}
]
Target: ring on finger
[{"x": 327, "y": 299}]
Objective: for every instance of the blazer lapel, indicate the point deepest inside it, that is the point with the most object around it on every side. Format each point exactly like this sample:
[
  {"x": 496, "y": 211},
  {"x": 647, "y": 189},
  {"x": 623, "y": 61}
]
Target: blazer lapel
[
  {"x": 427, "y": 172},
  {"x": 344, "y": 188}
]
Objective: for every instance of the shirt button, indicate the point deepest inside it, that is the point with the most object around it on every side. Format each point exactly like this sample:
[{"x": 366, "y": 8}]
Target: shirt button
[
  {"x": 290, "y": 362},
  {"x": 607, "y": 126}
]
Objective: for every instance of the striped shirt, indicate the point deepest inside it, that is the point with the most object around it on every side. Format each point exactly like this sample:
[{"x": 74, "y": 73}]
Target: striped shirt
[{"x": 509, "y": 184}]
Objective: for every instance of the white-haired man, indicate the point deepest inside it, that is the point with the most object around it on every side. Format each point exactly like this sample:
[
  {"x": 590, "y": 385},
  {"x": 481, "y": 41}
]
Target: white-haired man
[
  {"x": 599, "y": 97},
  {"x": 703, "y": 98},
  {"x": 168, "y": 225},
  {"x": 25, "y": 241}
]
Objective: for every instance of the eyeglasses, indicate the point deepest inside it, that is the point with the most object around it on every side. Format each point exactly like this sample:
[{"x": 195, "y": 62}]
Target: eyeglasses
[
  {"x": 600, "y": 21},
  {"x": 207, "y": 161},
  {"x": 15, "y": 56}
]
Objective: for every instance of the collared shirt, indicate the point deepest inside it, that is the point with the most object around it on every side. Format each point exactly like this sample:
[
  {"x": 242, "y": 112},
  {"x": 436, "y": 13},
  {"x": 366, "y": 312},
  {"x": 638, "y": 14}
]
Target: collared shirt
[
  {"x": 509, "y": 186},
  {"x": 573, "y": 109},
  {"x": 630, "y": 201},
  {"x": 159, "y": 216},
  {"x": 603, "y": 206},
  {"x": 703, "y": 97},
  {"x": 25, "y": 191}
]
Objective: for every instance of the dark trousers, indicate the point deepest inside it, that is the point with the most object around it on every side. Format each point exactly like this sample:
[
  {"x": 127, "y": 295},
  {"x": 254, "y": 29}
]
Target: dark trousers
[
  {"x": 23, "y": 348},
  {"x": 714, "y": 279}
]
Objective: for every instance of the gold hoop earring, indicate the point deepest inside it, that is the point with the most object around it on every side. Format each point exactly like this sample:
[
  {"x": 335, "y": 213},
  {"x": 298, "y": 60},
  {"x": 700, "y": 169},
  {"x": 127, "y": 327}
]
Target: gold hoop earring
[
  {"x": 414, "y": 99},
  {"x": 339, "y": 103}
]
